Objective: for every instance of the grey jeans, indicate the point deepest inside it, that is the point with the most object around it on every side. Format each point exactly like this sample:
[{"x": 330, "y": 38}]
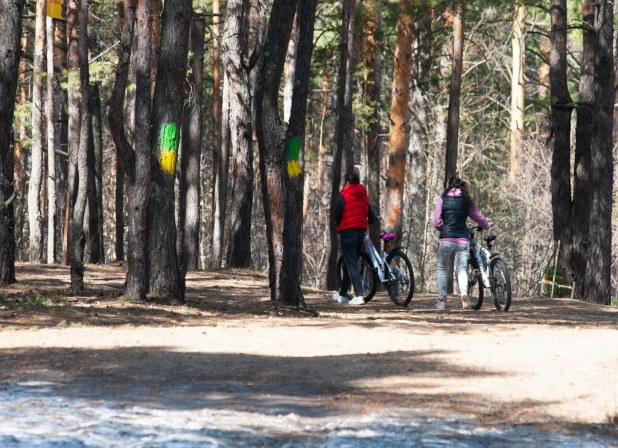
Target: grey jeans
[{"x": 446, "y": 253}]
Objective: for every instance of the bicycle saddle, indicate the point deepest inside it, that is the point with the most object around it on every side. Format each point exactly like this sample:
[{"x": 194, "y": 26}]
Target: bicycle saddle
[
  {"x": 388, "y": 236},
  {"x": 490, "y": 238}
]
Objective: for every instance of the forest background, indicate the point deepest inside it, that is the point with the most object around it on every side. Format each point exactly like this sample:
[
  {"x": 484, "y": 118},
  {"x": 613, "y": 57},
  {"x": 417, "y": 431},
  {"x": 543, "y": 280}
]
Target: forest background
[{"x": 362, "y": 84}]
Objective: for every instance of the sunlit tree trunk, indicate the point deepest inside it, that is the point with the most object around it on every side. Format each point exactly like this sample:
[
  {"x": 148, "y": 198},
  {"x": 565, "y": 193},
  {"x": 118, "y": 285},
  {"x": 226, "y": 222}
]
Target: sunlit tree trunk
[
  {"x": 189, "y": 181},
  {"x": 599, "y": 255},
  {"x": 52, "y": 140},
  {"x": 372, "y": 91},
  {"x": 344, "y": 131},
  {"x": 35, "y": 188},
  {"x": 452, "y": 126},
  {"x": 216, "y": 125},
  {"x": 290, "y": 73},
  {"x": 234, "y": 45},
  {"x": 166, "y": 279},
  {"x": 398, "y": 132},
  {"x": 269, "y": 131},
  {"x": 517, "y": 90},
  {"x": 77, "y": 239},
  {"x": 10, "y": 24},
  {"x": 292, "y": 269},
  {"x": 20, "y": 202}
]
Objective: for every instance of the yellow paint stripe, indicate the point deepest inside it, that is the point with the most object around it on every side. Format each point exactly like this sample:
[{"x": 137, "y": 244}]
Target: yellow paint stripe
[{"x": 293, "y": 168}]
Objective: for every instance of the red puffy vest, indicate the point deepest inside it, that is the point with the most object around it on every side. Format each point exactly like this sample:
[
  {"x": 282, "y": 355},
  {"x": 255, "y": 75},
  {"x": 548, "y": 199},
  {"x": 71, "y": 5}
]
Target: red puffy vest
[{"x": 355, "y": 209}]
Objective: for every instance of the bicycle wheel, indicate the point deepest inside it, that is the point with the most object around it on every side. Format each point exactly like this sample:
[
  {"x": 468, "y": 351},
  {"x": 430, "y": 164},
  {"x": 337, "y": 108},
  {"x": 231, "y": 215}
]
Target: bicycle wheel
[
  {"x": 369, "y": 275},
  {"x": 475, "y": 287},
  {"x": 401, "y": 284},
  {"x": 500, "y": 284}
]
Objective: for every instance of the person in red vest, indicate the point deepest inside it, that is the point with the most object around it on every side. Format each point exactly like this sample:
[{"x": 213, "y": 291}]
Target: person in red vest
[{"x": 352, "y": 214}]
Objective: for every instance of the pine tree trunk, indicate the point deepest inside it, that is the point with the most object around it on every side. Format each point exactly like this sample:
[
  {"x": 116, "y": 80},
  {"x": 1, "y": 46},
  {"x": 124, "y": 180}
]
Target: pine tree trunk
[
  {"x": 517, "y": 91},
  {"x": 166, "y": 280},
  {"x": 582, "y": 188},
  {"x": 35, "y": 188},
  {"x": 398, "y": 132},
  {"x": 234, "y": 43},
  {"x": 290, "y": 73},
  {"x": 269, "y": 133},
  {"x": 417, "y": 187},
  {"x": 52, "y": 140},
  {"x": 599, "y": 255},
  {"x": 292, "y": 269},
  {"x": 10, "y": 24},
  {"x": 452, "y": 127},
  {"x": 20, "y": 202},
  {"x": 372, "y": 92},
  {"x": 216, "y": 130},
  {"x": 220, "y": 193},
  {"x": 74, "y": 120},
  {"x": 560, "y": 142},
  {"x": 189, "y": 181},
  {"x": 77, "y": 239},
  {"x": 94, "y": 224},
  {"x": 344, "y": 131}
]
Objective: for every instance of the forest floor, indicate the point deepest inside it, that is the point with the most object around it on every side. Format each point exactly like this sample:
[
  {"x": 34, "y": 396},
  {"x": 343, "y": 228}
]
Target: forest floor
[{"x": 232, "y": 369}]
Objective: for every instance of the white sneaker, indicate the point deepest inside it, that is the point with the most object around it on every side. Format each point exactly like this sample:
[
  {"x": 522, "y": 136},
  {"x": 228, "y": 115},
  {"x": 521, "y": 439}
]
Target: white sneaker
[
  {"x": 466, "y": 302},
  {"x": 358, "y": 300},
  {"x": 339, "y": 298}
]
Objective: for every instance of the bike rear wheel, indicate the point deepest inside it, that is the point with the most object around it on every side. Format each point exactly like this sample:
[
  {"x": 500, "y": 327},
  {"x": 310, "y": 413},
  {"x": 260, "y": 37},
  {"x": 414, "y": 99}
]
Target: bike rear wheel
[
  {"x": 475, "y": 288},
  {"x": 500, "y": 284},
  {"x": 368, "y": 273},
  {"x": 400, "y": 286}
]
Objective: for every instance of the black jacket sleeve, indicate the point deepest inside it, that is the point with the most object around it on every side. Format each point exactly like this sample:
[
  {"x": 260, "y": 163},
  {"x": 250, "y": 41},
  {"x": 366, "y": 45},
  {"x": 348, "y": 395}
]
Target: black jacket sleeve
[
  {"x": 339, "y": 209},
  {"x": 371, "y": 215}
]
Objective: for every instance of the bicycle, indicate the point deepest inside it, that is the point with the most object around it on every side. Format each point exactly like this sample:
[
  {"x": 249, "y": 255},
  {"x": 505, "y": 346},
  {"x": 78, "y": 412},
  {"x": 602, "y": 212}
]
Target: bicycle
[
  {"x": 487, "y": 270},
  {"x": 392, "y": 269}
]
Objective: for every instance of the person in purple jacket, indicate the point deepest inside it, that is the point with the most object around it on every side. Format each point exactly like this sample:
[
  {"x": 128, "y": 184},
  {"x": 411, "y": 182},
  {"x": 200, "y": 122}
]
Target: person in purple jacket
[{"x": 452, "y": 210}]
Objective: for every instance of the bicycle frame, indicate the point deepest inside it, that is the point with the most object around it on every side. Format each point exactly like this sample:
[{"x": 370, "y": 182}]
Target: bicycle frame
[
  {"x": 379, "y": 262},
  {"x": 482, "y": 256}
]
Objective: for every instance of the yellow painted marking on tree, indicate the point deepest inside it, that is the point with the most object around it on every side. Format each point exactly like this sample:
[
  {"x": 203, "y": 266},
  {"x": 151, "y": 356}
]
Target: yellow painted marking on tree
[
  {"x": 54, "y": 9},
  {"x": 168, "y": 147},
  {"x": 294, "y": 168},
  {"x": 167, "y": 161}
]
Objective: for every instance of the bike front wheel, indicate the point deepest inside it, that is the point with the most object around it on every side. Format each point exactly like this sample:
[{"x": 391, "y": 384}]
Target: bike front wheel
[
  {"x": 368, "y": 274},
  {"x": 500, "y": 284},
  {"x": 475, "y": 288},
  {"x": 400, "y": 286}
]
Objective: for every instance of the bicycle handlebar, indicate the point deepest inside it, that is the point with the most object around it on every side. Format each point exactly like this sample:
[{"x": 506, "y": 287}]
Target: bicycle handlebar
[{"x": 476, "y": 229}]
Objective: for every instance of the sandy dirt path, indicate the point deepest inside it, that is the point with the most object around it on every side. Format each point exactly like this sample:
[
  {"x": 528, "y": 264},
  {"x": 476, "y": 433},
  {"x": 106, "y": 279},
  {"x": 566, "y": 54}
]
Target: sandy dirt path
[{"x": 231, "y": 369}]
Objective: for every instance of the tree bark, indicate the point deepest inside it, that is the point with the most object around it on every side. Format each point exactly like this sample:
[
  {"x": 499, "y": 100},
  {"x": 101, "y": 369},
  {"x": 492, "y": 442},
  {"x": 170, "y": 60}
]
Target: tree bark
[
  {"x": 216, "y": 129},
  {"x": 398, "y": 132},
  {"x": 35, "y": 218},
  {"x": 344, "y": 131},
  {"x": 189, "y": 181},
  {"x": 517, "y": 91},
  {"x": 234, "y": 43},
  {"x": 372, "y": 92},
  {"x": 292, "y": 269},
  {"x": 50, "y": 114},
  {"x": 74, "y": 119},
  {"x": 77, "y": 238},
  {"x": 20, "y": 202},
  {"x": 575, "y": 255},
  {"x": 10, "y": 24},
  {"x": 220, "y": 193},
  {"x": 94, "y": 224},
  {"x": 599, "y": 255},
  {"x": 452, "y": 128},
  {"x": 166, "y": 280},
  {"x": 270, "y": 133},
  {"x": 290, "y": 73},
  {"x": 560, "y": 142}
]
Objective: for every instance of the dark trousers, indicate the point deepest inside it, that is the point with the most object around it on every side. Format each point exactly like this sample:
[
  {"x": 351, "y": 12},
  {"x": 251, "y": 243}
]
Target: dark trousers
[{"x": 352, "y": 242}]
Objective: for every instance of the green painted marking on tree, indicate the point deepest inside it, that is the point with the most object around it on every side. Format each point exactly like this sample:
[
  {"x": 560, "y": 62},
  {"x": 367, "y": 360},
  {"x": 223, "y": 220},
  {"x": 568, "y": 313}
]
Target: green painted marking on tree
[
  {"x": 293, "y": 156},
  {"x": 169, "y": 137}
]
